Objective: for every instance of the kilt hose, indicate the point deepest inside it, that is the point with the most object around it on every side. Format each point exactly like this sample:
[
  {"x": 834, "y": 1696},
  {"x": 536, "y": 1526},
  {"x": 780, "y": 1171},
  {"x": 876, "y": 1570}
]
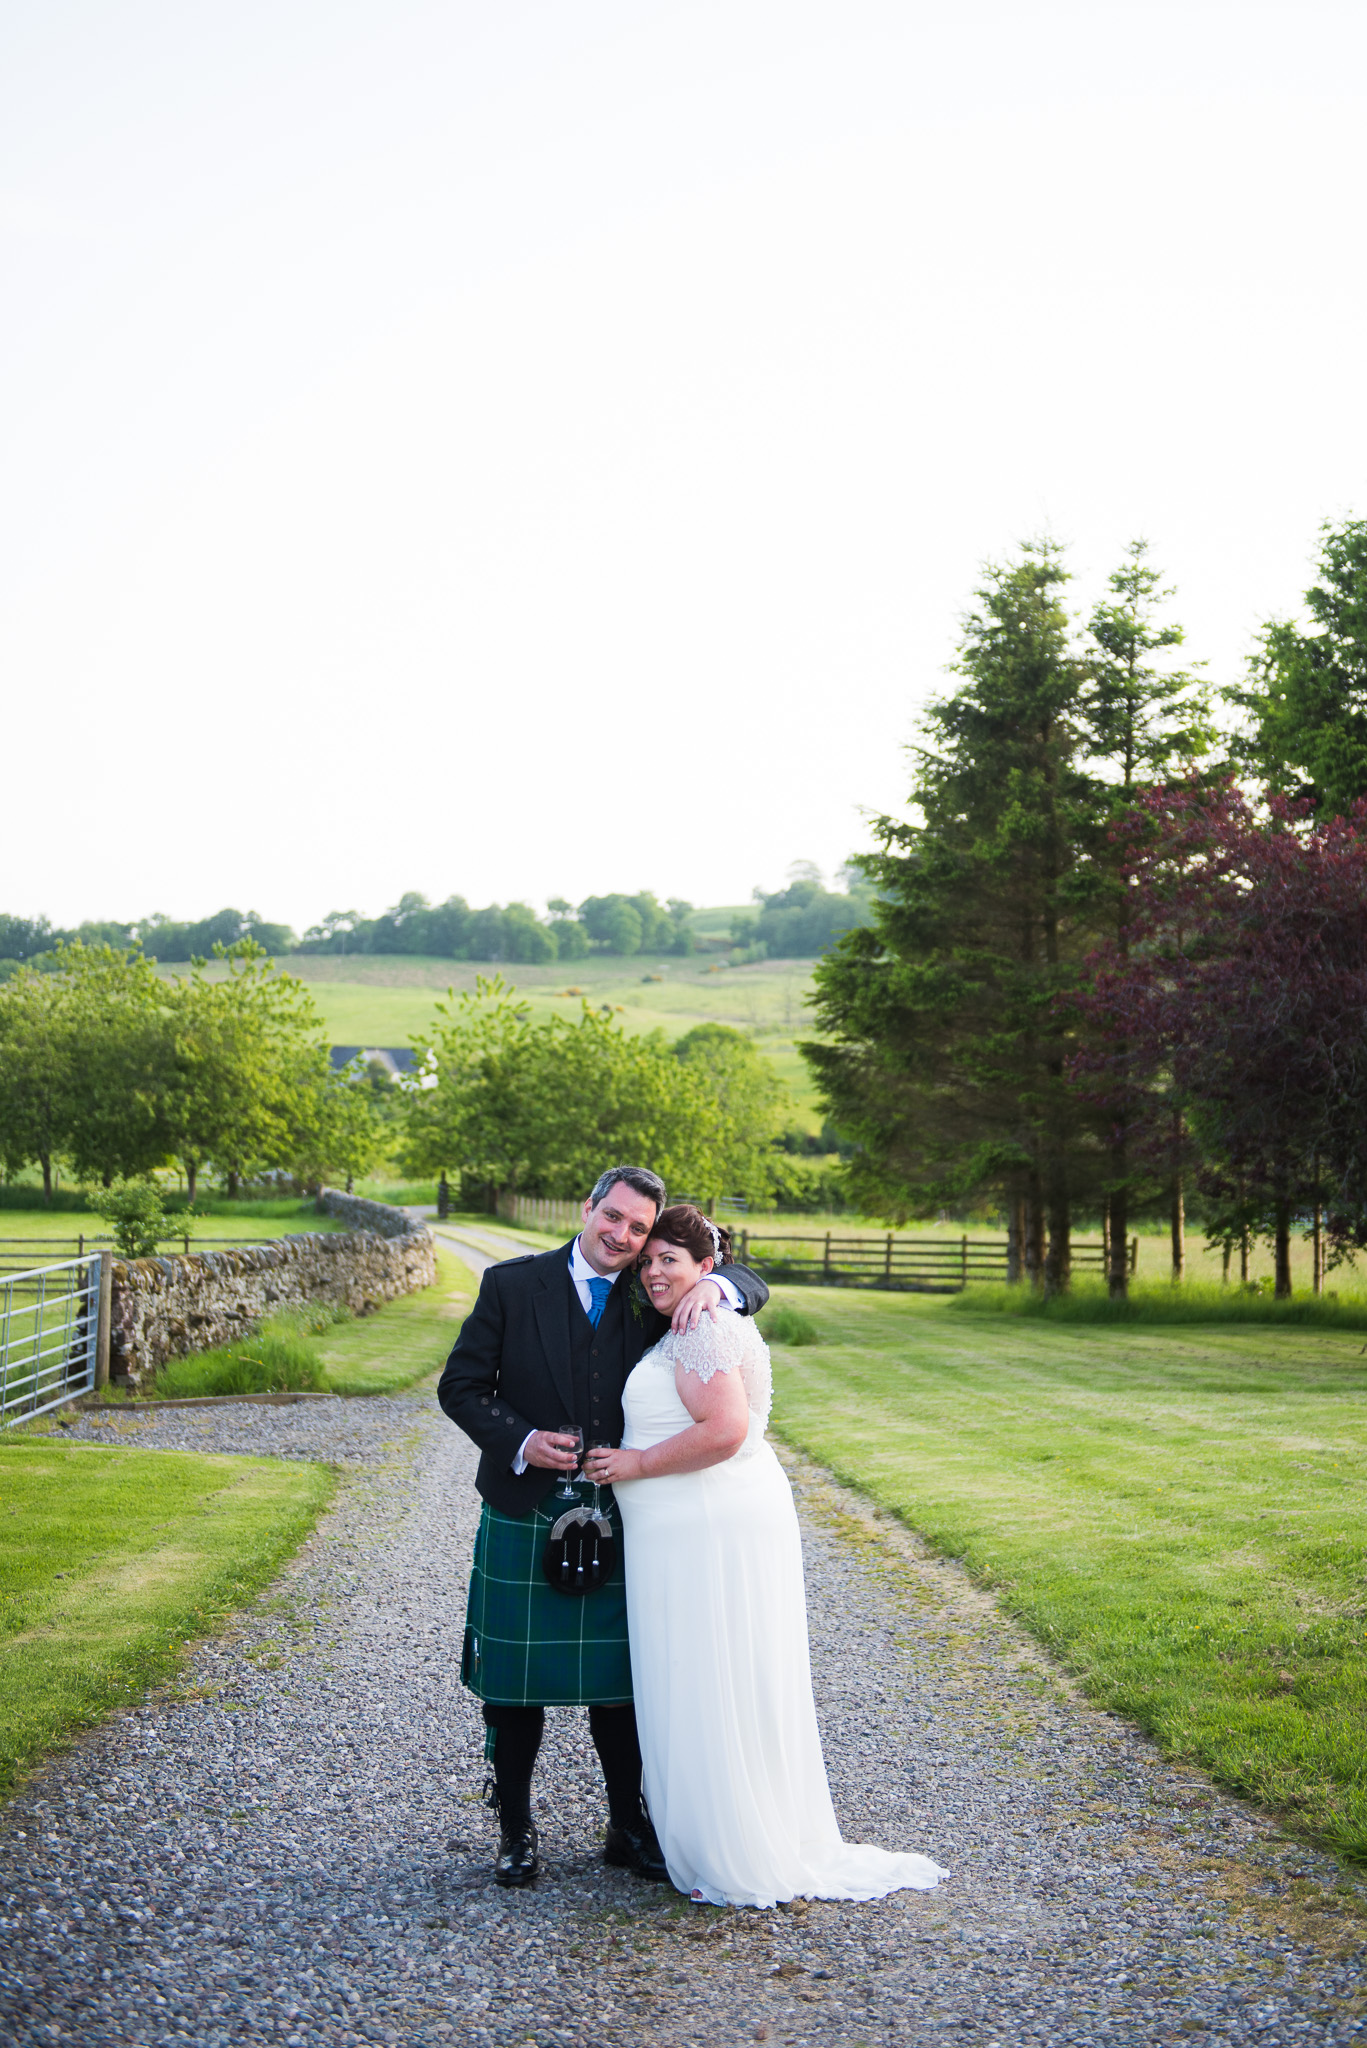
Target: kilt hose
[{"x": 527, "y": 1646}]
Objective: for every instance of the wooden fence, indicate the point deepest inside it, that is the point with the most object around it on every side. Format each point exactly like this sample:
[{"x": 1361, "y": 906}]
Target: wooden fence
[
  {"x": 924, "y": 1265},
  {"x": 18, "y": 1253}
]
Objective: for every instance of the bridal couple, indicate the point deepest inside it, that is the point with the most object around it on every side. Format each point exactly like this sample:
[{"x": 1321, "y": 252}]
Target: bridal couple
[{"x": 691, "y": 1657}]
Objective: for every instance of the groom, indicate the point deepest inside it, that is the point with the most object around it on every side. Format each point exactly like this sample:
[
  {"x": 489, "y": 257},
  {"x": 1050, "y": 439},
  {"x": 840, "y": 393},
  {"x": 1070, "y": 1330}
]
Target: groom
[{"x": 548, "y": 1347}]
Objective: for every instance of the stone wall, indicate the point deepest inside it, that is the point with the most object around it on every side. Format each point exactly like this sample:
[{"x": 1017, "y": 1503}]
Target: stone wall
[
  {"x": 359, "y": 1214},
  {"x": 167, "y": 1308}
]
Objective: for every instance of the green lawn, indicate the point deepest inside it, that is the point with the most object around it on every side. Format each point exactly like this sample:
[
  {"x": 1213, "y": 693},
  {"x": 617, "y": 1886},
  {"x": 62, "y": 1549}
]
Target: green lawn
[
  {"x": 407, "y": 1339},
  {"x": 1180, "y": 1515},
  {"x": 112, "y": 1562},
  {"x": 56, "y": 1234}
]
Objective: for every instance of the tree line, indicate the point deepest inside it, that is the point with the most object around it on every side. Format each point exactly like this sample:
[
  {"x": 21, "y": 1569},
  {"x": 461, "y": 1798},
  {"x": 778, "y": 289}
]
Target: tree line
[
  {"x": 1118, "y": 951},
  {"x": 111, "y": 1073},
  {"x": 794, "y": 923}
]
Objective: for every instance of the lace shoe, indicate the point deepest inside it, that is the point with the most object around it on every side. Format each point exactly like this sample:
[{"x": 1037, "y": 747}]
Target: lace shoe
[
  {"x": 636, "y": 1848},
  {"x": 518, "y": 1862}
]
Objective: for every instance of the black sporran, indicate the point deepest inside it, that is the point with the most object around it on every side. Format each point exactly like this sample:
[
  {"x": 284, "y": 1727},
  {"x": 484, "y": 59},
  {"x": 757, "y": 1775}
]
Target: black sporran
[{"x": 581, "y": 1552}]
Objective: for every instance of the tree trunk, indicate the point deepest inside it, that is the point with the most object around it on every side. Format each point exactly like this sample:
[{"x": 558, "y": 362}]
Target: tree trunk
[
  {"x": 1243, "y": 1255},
  {"x": 1282, "y": 1214},
  {"x": 1033, "y": 1207},
  {"x": 191, "y": 1177},
  {"x": 1118, "y": 1265},
  {"x": 1179, "y": 1231},
  {"x": 232, "y": 1184},
  {"x": 1224, "y": 1268},
  {"x": 1058, "y": 1263},
  {"x": 1317, "y": 1281},
  {"x": 45, "y": 1161},
  {"x": 1015, "y": 1240}
]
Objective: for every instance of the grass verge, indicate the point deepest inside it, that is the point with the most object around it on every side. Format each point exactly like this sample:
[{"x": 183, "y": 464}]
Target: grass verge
[
  {"x": 405, "y": 1340},
  {"x": 1195, "y": 1301},
  {"x": 1178, "y": 1515},
  {"x": 112, "y": 1562}
]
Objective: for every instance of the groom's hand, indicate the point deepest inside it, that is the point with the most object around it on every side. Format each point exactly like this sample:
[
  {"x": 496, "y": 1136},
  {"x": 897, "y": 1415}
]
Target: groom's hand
[
  {"x": 551, "y": 1451},
  {"x": 704, "y": 1299}
]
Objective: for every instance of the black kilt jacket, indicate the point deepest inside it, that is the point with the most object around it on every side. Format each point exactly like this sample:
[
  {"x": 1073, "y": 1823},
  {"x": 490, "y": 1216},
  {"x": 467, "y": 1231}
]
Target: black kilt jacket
[{"x": 513, "y": 1366}]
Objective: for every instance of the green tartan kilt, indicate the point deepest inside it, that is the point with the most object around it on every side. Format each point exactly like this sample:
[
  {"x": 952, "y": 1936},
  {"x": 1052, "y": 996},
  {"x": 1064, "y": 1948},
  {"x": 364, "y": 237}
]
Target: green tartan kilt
[{"x": 528, "y": 1646}]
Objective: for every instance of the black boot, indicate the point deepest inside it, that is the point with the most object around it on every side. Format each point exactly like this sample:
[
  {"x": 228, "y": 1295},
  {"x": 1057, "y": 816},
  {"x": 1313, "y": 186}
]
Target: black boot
[
  {"x": 631, "y": 1840},
  {"x": 517, "y": 1862},
  {"x": 516, "y": 1739},
  {"x": 637, "y": 1848}
]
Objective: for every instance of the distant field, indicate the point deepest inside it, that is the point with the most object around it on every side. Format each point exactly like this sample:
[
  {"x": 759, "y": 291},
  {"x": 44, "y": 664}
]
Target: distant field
[
  {"x": 56, "y": 1232},
  {"x": 381, "y": 999}
]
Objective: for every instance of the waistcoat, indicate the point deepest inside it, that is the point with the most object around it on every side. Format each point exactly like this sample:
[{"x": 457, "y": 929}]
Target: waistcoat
[{"x": 598, "y": 1366}]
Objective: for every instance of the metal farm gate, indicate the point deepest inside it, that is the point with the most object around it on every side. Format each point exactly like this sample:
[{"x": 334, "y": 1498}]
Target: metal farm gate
[{"x": 54, "y": 1335}]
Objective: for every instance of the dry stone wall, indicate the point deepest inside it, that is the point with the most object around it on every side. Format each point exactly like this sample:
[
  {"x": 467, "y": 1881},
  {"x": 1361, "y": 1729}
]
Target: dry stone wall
[{"x": 167, "y": 1308}]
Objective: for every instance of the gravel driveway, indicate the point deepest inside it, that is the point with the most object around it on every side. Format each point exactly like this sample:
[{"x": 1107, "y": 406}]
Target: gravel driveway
[{"x": 289, "y": 1846}]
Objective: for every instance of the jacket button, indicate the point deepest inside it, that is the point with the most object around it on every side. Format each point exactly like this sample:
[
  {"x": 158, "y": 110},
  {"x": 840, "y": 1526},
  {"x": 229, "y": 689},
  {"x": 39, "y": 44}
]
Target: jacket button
[{"x": 493, "y": 1411}]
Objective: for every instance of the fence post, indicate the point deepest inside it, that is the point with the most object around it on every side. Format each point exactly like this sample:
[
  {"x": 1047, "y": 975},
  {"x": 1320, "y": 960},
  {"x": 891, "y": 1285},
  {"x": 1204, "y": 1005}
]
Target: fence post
[
  {"x": 1134, "y": 1255},
  {"x": 104, "y": 1317},
  {"x": 964, "y": 1254},
  {"x": 887, "y": 1259},
  {"x": 826, "y": 1262},
  {"x": 745, "y": 1247}
]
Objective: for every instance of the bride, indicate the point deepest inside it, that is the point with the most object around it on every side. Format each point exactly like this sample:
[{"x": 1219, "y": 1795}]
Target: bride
[{"x": 734, "y": 1776}]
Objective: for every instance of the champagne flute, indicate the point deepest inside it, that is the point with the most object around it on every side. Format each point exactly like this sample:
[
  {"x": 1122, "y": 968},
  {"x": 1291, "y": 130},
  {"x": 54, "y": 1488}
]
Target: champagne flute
[
  {"x": 600, "y": 1443},
  {"x": 566, "y": 1489}
]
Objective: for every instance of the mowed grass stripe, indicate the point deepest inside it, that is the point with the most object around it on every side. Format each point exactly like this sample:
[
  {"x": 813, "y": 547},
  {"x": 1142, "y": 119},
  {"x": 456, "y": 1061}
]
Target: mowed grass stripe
[
  {"x": 112, "y": 1562},
  {"x": 1180, "y": 1515}
]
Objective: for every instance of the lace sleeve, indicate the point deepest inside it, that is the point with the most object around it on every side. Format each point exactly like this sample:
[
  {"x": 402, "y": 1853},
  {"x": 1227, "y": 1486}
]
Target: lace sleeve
[{"x": 724, "y": 1343}]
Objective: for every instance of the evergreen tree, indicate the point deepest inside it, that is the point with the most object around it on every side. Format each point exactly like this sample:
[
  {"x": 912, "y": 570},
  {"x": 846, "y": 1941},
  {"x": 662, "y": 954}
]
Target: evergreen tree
[
  {"x": 945, "y": 1051},
  {"x": 1137, "y": 717},
  {"x": 1306, "y": 698}
]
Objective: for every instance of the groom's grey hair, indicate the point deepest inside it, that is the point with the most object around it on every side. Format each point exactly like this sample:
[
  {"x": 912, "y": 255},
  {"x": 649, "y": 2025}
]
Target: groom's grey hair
[{"x": 639, "y": 1178}]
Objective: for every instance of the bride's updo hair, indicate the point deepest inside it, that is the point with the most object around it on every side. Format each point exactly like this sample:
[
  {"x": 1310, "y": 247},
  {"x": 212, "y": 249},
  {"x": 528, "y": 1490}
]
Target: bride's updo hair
[{"x": 693, "y": 1232}]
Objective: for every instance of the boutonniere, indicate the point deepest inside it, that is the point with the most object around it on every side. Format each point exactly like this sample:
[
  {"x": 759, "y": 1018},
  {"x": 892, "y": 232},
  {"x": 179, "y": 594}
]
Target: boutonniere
[{"x": 637, "y": 1297}]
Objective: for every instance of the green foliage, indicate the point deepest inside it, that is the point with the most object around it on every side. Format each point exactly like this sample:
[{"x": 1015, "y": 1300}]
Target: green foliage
[
  {"x": 750, "y": 1100},
  {"x": 1306, "y": 697},
  {"x": 947, "y": 1047},
  {"x": 943, "y": 1057},
  {"x": 84, "y": 1052},
  {"x": 784, "y": 1324},
  {"x": 539, "y": 1108},
  {"x": 804, "y": 919},
  {"x": 276, "y": 1361},
  {"x": 1160, "y": 1302},
  {"x": 808, "y": 1186},
  {"x": 136, "y": 1213},
  {"x": 112, "y": 1071}
]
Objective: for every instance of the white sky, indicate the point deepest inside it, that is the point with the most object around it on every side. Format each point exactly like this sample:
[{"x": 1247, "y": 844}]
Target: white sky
[{"x": 535, "y": 449}]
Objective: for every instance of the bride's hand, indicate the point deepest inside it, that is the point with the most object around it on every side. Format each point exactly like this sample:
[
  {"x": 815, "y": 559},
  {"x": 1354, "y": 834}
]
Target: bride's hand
[{"x": 606, "y": 1467}]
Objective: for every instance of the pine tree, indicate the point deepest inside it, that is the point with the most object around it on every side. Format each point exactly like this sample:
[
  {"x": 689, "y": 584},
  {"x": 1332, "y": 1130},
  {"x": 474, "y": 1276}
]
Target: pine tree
[
  {"x": 945, "y": 1048},
  {"x": 1138, "y": 718}
]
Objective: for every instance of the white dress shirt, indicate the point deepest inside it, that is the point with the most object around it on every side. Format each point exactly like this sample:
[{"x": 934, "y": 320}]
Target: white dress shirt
[{"x": 581, "y": 1272}]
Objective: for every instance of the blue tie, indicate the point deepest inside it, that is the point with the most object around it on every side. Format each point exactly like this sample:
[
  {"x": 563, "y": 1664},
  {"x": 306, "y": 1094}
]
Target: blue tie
[{"x": 599, "y": 1289}]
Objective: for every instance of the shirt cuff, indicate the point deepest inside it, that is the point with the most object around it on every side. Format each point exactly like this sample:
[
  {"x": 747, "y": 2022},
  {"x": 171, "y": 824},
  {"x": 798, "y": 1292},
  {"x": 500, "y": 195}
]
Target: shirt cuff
[
  {"x": 730, "y": 1294},
  {"x": 520, "y": 1461}
]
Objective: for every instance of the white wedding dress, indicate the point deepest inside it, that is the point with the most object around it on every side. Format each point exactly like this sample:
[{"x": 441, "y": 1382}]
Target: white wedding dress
[{"x": 734, "y": 1776}]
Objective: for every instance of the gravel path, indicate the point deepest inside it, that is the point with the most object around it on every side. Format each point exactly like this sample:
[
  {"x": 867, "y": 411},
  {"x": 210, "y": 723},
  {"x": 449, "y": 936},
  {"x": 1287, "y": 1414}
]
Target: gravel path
[{"x": 289, "y": 1846}]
